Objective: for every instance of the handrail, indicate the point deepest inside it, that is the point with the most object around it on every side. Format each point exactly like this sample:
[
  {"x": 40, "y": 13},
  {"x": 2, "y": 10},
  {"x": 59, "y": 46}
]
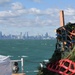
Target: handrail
[{"x": 22, "y": 63}]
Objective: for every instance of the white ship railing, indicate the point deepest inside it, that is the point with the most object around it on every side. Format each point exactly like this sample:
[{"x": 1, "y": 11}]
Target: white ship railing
[{"x": 22, "y": 63}]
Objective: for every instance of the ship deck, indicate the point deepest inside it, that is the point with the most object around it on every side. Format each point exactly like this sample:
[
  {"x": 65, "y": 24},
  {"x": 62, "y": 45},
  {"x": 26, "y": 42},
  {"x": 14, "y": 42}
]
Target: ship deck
[{"x": 19, "y": 74}]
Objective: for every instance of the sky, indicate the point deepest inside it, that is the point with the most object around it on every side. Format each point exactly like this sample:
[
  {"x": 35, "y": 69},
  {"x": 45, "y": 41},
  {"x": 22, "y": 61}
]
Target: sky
[{"x": 34, "y": 16}]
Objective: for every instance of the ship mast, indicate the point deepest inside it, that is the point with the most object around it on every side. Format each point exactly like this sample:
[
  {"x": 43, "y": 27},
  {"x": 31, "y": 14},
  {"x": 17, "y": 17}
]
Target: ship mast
[{"x": 62, "y": 23}]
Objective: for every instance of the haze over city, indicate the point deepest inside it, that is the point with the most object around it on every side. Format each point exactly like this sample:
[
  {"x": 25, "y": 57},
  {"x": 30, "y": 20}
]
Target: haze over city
[{"x": 34, "y": 16}]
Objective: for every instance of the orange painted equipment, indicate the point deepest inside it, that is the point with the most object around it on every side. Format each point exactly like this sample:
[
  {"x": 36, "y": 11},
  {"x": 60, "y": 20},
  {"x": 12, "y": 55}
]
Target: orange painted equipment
[{"x": 63, "y": 67}]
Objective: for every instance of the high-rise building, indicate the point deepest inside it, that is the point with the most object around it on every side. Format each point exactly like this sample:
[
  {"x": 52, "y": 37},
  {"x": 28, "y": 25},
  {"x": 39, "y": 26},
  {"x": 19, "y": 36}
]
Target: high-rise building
[
  {"x": 46, "y": 35},
  {"x": 0, "y": 34},
  {"x": 21, "y": 35}
]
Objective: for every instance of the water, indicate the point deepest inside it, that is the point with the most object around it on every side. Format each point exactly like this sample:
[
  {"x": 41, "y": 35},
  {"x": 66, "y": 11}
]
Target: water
[{"x": 33, "y": 52}]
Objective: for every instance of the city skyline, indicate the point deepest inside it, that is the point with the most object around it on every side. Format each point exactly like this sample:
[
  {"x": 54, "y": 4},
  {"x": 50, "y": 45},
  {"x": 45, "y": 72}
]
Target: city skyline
[
  {"x": 34, "y": 16},
  {"x": 25, "y": 33},
  {"x": 25, "y": 36}
]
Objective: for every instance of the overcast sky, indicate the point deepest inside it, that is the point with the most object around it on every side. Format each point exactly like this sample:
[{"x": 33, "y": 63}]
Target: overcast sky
[{"x": 34, "y": 16}]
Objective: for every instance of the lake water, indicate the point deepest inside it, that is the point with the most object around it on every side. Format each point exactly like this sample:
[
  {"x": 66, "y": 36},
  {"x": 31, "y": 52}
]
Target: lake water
[{"x": 33, "y": 52}]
